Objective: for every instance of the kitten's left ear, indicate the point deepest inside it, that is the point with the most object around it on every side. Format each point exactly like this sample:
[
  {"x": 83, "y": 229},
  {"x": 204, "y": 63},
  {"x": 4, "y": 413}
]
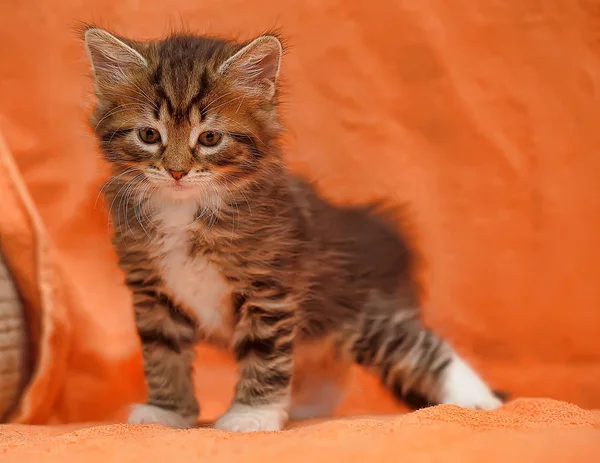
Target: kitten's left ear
[
  {"x": 112, "y": 59},
  {"x": 256, "y": 66}
]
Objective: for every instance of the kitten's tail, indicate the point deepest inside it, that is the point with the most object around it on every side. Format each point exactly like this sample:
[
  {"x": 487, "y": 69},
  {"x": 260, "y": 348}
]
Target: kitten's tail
[{"x": 415, "y": 364}]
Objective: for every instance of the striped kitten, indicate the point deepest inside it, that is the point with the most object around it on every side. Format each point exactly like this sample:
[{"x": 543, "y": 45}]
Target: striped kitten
[{"x": 220, "y": 242}]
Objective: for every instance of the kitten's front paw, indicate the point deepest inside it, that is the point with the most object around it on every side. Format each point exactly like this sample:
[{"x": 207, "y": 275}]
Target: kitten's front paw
[
  {"x": 463, "y": 387},
  {"x": 151, "y": 414},
  {"x": 244, "y": 418}
]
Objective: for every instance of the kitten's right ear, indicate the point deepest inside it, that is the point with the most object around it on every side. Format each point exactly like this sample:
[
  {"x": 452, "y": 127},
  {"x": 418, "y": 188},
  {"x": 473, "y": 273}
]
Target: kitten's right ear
[
  {"x": 256, "y": 66},
  {"x": 112, "y": 59}
]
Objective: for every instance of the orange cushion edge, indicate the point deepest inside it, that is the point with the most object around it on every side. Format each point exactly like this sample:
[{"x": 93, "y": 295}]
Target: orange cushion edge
[{"x": 29, "y": 254}]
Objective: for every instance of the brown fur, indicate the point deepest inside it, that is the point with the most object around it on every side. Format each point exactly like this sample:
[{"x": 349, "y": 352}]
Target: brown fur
[{"x": 301, "y": 271}]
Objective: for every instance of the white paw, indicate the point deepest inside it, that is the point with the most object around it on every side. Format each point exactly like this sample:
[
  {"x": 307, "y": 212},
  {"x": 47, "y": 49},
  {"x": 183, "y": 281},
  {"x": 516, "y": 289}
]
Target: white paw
[
  {"x": 244, "y": 418},
  {"x": 462, "y": 386},
  {"x": 151, "y": 414}
]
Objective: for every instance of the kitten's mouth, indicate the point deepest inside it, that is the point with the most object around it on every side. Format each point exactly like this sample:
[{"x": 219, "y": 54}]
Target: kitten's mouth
[{"x": 181, "y": 187}]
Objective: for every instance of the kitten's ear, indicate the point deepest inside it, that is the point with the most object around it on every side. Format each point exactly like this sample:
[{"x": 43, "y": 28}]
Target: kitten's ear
[
  {"x": 256, "y": 66},
  {"x": 112, "y": 59}
]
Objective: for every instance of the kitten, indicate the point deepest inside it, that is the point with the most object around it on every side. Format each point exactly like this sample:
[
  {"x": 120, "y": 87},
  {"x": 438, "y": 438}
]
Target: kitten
[{"x": 220, "y": 242}]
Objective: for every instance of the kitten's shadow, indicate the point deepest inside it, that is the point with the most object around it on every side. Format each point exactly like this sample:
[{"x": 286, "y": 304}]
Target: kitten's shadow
[
  {"x": 305, "y": 423},
  {"x": 205, "y": 425}
]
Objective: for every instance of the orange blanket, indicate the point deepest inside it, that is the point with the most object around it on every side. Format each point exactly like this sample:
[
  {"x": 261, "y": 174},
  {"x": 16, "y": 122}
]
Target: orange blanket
[
  {"x": 524, "y": 431},
  {"x": 483, "y": 115}
]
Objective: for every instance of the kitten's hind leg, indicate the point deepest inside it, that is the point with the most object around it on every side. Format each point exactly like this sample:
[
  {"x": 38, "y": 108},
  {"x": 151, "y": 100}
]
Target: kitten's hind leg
[
  {"x": 320, "y": 380},
  {"x": 416, "y": 364},
  {"x": 319, "y": 400}
]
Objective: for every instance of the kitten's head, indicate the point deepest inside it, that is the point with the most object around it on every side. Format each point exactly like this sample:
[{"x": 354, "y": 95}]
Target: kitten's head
[{"x": 186, "y": 115}]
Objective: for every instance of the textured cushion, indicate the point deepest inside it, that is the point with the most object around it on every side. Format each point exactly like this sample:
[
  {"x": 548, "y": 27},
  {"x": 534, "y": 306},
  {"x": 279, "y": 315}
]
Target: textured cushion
[{"x": 13, "y": 342}]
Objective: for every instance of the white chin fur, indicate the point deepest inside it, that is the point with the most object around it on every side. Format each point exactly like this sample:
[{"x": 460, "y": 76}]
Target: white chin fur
[
  {"x": 151, "y": 414},
  {"x": 244, "y": 418},
  {"x": 462, "y": 386},
  {"x": 169, "y": 193}
]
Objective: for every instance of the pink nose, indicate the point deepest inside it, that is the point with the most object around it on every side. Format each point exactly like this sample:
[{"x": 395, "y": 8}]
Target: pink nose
[{"x": 178, "y": 174}]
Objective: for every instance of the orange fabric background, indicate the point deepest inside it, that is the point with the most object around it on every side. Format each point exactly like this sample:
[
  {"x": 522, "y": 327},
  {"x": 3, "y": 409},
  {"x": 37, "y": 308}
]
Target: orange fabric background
[{"x": 483, "y": 115}]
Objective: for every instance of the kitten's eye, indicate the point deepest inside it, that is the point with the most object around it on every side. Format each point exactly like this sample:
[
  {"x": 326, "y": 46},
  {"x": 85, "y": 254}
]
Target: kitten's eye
[
  {"x": 210, "y": 138},
  {"x": 149, "y": 135}
]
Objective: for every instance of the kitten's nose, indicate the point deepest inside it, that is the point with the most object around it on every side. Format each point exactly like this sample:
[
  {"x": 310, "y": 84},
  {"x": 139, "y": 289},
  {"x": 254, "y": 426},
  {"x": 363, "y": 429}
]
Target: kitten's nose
[{"x": 178, "y": 174}]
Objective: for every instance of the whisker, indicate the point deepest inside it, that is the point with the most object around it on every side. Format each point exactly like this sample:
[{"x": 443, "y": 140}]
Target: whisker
[
  {"x": 236, "y": 209},
  {"x": 145, "y": 96},
  {"x": 127, "y": 186},
  {"x": 144, "y": 209},
  {"x": 239, "y": 97},
  {"x": 215, "y": 214},
  {"x": 241, "y": 102},
  {"x": 128, "y": 194},
  {"x": 117, "y": 195},
  {"x": 123, "y": 94},
  {"x": 119, "y": 128},
  {"x": 137, "y": 208},
  {"x": 226, "y": 178},
  {"x": 247, "y": 129},
  {"x": 114, "y": 111},
  {"x": 217, "y": 99},
  {"x": 109, "y": 181}
]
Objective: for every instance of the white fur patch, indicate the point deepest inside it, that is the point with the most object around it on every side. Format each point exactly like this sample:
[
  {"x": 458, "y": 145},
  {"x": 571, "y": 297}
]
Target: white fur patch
[
  {"x": 194, "y": 282},
  {"x": 151, "y": 414},
  {"x": 462, "y": 386},
  {"x": 244, "y": 418}
]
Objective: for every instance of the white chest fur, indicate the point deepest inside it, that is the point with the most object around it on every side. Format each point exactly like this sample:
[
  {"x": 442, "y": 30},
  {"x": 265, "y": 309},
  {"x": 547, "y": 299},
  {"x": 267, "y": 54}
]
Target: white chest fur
[{"x": 194, "y": 282}]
